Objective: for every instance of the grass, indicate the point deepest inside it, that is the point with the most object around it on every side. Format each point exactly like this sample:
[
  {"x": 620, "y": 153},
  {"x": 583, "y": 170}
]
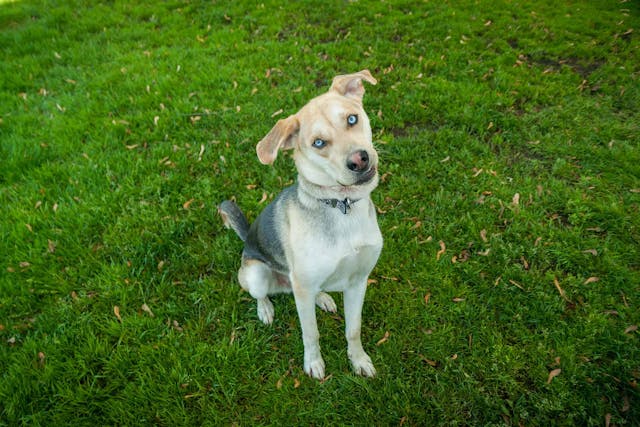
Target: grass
[{"x": 508, "y": 134}]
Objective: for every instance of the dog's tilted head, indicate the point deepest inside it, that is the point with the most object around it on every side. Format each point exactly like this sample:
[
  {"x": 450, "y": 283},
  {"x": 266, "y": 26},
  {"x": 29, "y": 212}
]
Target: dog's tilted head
[{"x": 331, "y": 137}]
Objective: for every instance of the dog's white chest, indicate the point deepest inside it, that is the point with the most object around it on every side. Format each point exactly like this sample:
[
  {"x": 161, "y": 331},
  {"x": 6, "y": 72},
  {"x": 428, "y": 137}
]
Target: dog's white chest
[{"x": 342, "y": 255}]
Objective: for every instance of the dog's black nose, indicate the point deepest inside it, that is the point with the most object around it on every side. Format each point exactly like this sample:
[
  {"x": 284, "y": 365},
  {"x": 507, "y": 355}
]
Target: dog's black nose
[{"x": 358, "y": 161}]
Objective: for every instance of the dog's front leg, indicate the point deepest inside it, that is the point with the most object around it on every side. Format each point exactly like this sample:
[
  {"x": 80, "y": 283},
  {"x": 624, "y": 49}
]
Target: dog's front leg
[
  {"x": 353, "y": 301},
  {"x": 306, "y": 306}
]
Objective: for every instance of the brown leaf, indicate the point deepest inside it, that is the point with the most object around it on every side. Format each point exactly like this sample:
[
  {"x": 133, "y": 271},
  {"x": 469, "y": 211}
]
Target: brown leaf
[
  {"x": 607, "y": 420},
  {"x": 264, "y": 198},
  {"x": 516, "y": 284},
  {"x": 430, "y": 362},
  {"x": 591, "y": 280},
  {"x": 631, "y": 328},
  {"x": 29, "y": 227},
  {"x": 593, "y": 252},
  {"x": 147, "y": 310},
  {"x": 25, "y": 264},
  {"x": 116, "y": 311},
  {"x": 160, "y": 265},
  {"x": 483, "y": 235},
  {"x": 560, "y": 290},
  {"x": 276, "y": 113},
  {"x": 296, "y": 383},
  {"x": 443, "y": 249},
  {"x": 516, "y": 200},
  {"x": 554, "y": 373},
  {"x": 186, "y": 204},
  {"x": 51, "y": 246},
  {"x": 458, "y": 299},
  {"x": 384, "y": 338},
  {"x": 426, "y": 298}
]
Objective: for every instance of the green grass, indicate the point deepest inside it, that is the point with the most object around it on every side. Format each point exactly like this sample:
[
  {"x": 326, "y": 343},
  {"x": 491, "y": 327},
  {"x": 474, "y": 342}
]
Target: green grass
[{"x": 123, "y": 124}]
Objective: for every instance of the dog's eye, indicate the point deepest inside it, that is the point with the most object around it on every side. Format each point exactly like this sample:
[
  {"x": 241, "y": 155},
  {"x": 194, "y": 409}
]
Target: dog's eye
[
  {"x": 319, "y": 143},
  {"x": 352, "y": 119}
]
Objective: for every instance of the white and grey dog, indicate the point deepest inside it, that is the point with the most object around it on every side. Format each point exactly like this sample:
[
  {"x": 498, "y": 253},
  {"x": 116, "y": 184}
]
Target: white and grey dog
[{"x": 320, "y": 234}]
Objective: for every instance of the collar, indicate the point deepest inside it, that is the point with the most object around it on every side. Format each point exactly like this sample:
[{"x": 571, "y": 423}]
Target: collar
[{"x": 343, "y": 205}]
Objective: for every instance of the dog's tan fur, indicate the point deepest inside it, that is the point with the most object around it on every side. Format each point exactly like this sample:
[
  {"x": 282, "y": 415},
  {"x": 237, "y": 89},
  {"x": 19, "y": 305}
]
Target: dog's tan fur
[{"x": 300, "y": 244}]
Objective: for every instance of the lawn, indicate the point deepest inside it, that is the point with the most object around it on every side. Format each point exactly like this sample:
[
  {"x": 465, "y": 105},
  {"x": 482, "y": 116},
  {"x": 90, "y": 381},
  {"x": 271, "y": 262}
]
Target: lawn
[{"x": 508, "y": 289}]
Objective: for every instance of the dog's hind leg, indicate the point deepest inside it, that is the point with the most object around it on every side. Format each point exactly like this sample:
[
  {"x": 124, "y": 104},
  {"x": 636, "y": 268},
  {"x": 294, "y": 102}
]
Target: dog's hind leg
[
  {"x": 325, "y": 302},
  {"x": 258, "y": 279}
]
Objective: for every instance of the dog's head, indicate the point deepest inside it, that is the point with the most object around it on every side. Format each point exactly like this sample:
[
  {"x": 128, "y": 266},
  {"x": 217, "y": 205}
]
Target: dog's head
[{"x": 331, "y": 138}]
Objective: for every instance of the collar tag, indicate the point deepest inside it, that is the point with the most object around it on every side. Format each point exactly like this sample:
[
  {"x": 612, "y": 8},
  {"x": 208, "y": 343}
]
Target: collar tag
[{"x": 343, "y": 205}]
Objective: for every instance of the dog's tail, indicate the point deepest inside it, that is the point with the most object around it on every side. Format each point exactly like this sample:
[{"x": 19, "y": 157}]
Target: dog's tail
[{"x": 232, "y": 217}]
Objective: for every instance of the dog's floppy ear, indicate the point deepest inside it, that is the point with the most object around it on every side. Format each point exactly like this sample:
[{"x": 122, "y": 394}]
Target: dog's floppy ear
[
  {"x": 350, "y": 85},
  {"x": 281, "y": 137}
]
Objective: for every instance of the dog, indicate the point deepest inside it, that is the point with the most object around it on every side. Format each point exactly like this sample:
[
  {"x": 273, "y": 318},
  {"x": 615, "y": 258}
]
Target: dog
[{"x": 321, "y": 234}]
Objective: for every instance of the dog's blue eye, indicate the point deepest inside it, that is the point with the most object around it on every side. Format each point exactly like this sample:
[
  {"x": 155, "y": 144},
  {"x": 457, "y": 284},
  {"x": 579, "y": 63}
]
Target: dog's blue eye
[
  {"x": 352, "y": 119},
  {"x": 319, "y": 143}
]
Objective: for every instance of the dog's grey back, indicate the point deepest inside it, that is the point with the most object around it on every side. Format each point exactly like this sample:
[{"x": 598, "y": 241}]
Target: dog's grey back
[{"x": 265, "y": 236}]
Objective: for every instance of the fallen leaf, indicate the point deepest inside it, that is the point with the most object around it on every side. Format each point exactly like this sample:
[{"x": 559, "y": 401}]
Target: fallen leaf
[
  {"x": 25, "y": 264},
  {"x": 446, "y": 159},
  {"x": 201, "y": 152},
  {"x": 264, "y": 198},
  {"x": 29, "y": 227},
  {"x": 41, "y": 357},
  {"x": 591, "y": 280},
  {"x": 516, "y": 284},
  {"x": 38, "y": 204},
  {"x": 430, "y": 362},
  {"x": 515, "y": 201},
  {"x": 51, "y": 246},
  {"x": 426, "y": 298},
  {"x": 457, "y": 299},
  {"x": 384, "y": 338},
  {"x": 186, "y": 204},
  {"x": 607, "y": 420},
  {"x": 116, "y": 311},
  {"x": 593, "y": 252},
  {"x": 296, "y": 383},
  {"x": 55, "y": 207},
  {"x": 554, "y": 373},
  {"x": 485, "y": 252},
  {"x": 177, "y": 326},
  {"x": 442, "y": 250},
  {"x": 160, "y": 265},
  {"x": 276, "y": 113},
  {"x": 483, "y": 235},
  {"x": 131, "y": 147},
  {"x": 147, "y": 310},
  {"x": 74, "y": 295},
  {"x": 560, "y": 290},
  {"x": 631, "y": 328},
  {"x": 626, "y": 405}
]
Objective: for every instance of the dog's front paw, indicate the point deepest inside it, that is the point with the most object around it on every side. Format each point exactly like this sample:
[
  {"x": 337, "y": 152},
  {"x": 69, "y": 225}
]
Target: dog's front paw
[
  {"x": 265, "y": 311},
  {"x": 362, "y": 365},
  {"x": 325, "y": 302},
  {"x": 314, "y": 368}
]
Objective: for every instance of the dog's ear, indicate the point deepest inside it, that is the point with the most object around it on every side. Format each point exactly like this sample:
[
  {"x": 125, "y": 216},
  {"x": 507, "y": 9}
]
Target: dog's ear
[
  {"x": 281, "y": 137},
  {"x": 350, "y": 85}
]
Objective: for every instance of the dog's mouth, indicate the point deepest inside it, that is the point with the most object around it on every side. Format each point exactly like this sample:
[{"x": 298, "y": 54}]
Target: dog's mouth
[{"x": 364, "y": 177}]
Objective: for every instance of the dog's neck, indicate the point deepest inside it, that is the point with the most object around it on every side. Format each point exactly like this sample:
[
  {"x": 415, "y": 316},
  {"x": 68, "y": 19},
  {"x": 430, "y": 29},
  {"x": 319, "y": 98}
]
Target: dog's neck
[{"x": 341, "y": 197}]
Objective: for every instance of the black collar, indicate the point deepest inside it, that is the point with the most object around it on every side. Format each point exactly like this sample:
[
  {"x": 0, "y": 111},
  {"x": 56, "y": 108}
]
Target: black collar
[{"x": 343, "y": 205}]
